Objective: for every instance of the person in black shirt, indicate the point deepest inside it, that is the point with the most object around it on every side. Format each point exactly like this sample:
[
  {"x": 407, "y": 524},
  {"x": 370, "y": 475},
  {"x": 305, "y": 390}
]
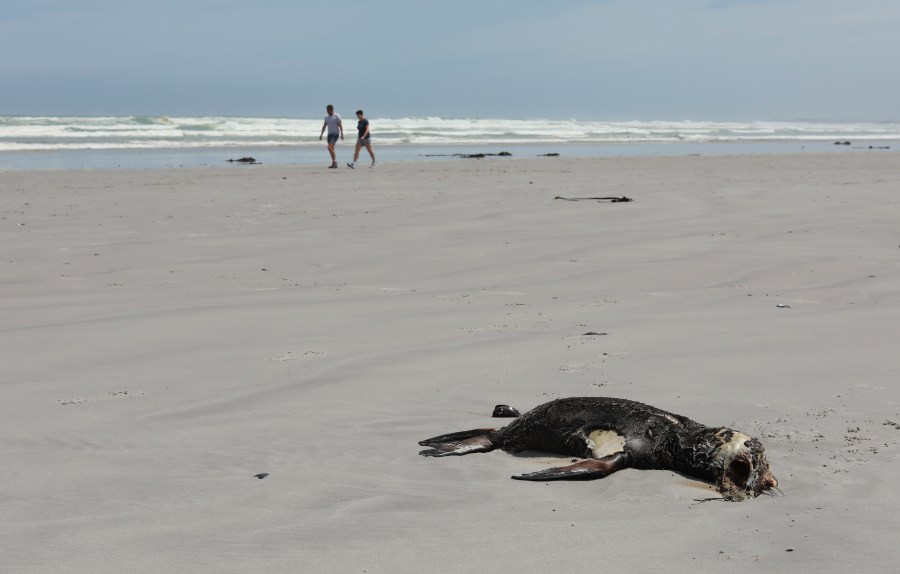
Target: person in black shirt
[{"x": 363, "y": 140}]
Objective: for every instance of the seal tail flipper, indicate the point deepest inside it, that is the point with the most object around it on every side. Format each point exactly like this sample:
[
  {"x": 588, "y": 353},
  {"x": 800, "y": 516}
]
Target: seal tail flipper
[
  {"x": 459, "y": 443},
  {"x": 585, "y": 470}
]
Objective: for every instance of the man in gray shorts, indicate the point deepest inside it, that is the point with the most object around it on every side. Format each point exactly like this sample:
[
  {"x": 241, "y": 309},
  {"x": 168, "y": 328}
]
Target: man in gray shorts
[{"x": 335, "y": 130}]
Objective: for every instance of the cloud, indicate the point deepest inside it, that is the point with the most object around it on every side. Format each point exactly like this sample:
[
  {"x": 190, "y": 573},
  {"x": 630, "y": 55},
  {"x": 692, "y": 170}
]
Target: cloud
[{"x": 718, "y": 59}]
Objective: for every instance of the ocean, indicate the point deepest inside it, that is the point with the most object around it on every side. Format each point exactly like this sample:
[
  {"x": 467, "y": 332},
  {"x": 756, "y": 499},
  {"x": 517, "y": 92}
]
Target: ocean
[{"x": 159, "y": 141}]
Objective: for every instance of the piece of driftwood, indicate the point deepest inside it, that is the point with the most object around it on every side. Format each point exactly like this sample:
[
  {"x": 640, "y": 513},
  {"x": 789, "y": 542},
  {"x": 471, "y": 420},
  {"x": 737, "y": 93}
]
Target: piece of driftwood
[{"x": 607, "y": 199}]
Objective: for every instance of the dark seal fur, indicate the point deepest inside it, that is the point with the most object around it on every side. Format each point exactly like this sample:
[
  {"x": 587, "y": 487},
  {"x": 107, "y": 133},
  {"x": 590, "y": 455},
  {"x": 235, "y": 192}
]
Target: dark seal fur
[{"x": 614, "y": 434}]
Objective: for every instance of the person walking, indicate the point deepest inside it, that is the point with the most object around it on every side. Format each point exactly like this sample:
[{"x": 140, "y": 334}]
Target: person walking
[
  {"x": 335, "y": 129},
  {"x": 364, "y": 139}
]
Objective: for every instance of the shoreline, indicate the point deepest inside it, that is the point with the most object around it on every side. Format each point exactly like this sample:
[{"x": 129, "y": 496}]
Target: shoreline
[{"x": 164, "y": 158}]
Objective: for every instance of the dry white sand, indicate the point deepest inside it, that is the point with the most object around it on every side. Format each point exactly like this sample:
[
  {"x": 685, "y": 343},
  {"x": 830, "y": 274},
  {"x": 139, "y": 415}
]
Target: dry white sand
[{"x": 168, "y": 334}]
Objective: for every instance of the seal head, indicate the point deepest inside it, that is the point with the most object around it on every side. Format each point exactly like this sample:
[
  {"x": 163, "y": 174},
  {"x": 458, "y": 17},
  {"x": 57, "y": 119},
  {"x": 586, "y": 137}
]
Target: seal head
[{"x": 741, "y": 466}]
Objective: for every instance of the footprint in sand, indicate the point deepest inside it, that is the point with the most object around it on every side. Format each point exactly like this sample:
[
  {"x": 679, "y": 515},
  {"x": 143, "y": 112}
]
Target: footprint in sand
[
  {"x": 106, "y": 397},
  {"x": 491, "y": 328},
  {"x": 571, "y": 368},
  {"x": 295, "y": 356}
]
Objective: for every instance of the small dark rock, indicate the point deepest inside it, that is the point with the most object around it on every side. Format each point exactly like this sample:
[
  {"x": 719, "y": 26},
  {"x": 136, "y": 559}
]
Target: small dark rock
[
  {"x": 261, "y": 475},
  {"x": 249, "y": 160}
]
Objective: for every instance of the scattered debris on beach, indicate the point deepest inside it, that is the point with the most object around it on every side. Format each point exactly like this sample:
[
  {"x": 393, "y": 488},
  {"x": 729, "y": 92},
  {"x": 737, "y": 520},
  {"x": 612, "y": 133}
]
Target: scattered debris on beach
[
  {"x": 471, "y": 155},
  {"x": 622, "y": 199},
  {"x": 863, "y": 146}
]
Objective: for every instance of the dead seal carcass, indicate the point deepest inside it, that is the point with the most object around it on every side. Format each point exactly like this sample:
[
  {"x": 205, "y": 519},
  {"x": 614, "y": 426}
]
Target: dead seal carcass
[{"x": 614, "y": 434}]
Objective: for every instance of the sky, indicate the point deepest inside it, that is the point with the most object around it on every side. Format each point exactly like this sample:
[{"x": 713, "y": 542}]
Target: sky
[{"x": 739, "y": 60}]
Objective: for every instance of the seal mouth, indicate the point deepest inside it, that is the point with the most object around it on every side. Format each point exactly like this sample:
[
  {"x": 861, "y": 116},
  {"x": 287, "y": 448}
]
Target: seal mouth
[
  {"x": 739, "y": 472},
  {"x": 734, "y": 484},
  {"x": 743, "y": 479}
]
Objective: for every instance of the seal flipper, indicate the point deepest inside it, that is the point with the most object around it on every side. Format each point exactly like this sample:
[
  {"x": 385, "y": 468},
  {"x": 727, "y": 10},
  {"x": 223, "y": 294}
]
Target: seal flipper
[
  {"x": 459, "y": 443},
  {"x": 468, "y": 446},
  {"x": 455, "y": 437},
  {"x": 585, "y": 470}
]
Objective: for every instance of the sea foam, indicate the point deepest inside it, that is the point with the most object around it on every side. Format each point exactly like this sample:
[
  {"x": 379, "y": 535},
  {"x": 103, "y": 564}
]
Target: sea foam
[{"x": 137, "y": 132}]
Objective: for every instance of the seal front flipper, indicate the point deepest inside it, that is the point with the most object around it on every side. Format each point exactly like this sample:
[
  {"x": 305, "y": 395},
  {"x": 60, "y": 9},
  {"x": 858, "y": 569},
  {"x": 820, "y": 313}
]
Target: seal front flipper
[
  {"x": 459, "y": 443},
  {"x": 585, "y": 470}
]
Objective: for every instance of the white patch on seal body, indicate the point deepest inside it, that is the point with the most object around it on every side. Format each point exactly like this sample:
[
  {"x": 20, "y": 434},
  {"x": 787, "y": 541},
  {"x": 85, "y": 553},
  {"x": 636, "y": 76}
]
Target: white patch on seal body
[{"x": 605, "y": 442}]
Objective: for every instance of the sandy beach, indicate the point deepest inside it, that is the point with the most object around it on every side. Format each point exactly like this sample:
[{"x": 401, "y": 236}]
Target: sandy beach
[{"x": 168, "y": 335}]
